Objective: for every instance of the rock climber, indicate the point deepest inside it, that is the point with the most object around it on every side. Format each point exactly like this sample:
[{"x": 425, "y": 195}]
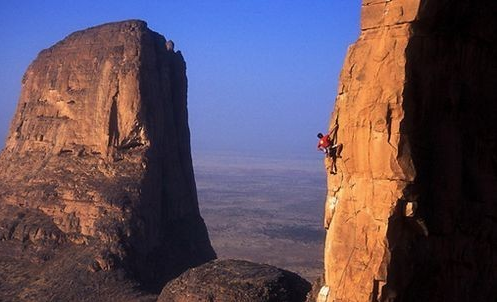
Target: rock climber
[
  {"x": 327, "y": 144},
  {"x": 324, "y": 143}
]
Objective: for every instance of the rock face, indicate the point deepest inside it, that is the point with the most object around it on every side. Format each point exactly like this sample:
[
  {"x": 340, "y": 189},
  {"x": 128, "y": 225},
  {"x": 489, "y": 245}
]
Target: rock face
[
  {"x": 235, "y": 280},
  {"x": 411, "y": 214},
  {"x": 98, "y": 161}
]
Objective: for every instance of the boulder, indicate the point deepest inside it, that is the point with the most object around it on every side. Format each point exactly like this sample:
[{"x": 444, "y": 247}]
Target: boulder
[{"x": 236, "y": 280}]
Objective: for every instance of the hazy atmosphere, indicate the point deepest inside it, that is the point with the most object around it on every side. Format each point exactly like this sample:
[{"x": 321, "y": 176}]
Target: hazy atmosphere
[
  {"x": 262, "y": 77},
  {"x": 262, "y": 74},
  {"x": 167, "y": 151}
]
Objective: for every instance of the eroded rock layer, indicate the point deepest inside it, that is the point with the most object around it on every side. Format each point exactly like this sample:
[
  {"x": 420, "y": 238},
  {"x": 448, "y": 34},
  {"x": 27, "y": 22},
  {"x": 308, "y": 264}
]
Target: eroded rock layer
[
  {"x": 98, "y": 157},
  {"x": 411, "y": 213}
]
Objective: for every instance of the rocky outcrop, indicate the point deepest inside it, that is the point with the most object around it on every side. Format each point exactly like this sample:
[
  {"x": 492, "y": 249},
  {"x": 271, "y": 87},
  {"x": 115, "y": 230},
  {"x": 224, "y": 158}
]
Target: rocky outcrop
[
  {"x": 98, "y": 160},
  {"x": 236, "y": 280},
  {"x": 411, "y": 213}
]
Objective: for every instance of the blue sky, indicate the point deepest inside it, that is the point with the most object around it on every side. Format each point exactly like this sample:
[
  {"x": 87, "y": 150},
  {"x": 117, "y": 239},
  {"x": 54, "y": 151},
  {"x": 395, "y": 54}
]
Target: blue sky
[{"x": 262, "y": 74}]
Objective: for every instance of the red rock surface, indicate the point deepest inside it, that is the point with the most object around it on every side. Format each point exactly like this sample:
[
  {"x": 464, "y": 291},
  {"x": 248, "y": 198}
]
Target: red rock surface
[
  {"x": 98, "y": 161},
  {"x": 416, "y": 112}
]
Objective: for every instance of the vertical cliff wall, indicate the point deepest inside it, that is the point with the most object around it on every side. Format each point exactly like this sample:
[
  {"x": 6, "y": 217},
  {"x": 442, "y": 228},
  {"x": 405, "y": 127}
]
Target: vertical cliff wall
[
  {"x": 100, "y": 149},
  {"x": 411, "y": 213}
]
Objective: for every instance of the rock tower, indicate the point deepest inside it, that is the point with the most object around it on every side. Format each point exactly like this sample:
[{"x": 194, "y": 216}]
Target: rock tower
[{"x": 97, "y": 167}]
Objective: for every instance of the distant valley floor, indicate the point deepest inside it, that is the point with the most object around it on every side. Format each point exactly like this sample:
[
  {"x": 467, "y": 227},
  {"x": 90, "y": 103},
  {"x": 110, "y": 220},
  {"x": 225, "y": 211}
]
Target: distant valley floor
[{"x": 264, "y": 210}]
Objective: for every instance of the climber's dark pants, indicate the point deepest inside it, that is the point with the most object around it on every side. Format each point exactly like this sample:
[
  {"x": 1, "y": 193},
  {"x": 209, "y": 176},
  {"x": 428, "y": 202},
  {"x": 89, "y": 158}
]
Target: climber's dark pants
[{"x": 333, "y": 153}]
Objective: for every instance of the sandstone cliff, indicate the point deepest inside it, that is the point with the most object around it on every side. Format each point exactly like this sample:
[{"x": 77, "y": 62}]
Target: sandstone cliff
[
  {"x": 411, "y": 213},
  {"x": 97, "y": 171}
]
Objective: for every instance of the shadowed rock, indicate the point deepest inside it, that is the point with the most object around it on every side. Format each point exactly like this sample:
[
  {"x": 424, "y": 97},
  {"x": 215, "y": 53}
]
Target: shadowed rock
[
  {"x": 97, "y": 171},
  {"x": 236, "y": 280}
]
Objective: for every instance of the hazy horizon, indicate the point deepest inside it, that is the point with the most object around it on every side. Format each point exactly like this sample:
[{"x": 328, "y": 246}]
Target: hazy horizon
[
  {"x": 266, "y": 210},
  {"x": 262, "y": 76}
]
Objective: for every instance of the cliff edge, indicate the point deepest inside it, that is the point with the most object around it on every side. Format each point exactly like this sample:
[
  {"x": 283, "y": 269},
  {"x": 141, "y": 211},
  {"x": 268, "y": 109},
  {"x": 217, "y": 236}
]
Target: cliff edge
[{"x": 411, "y": 214}]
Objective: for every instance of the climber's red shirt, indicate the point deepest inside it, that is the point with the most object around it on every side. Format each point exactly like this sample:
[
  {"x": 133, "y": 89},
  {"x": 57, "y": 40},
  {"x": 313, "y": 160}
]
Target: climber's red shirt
[{"x": 324, "y": 142}]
